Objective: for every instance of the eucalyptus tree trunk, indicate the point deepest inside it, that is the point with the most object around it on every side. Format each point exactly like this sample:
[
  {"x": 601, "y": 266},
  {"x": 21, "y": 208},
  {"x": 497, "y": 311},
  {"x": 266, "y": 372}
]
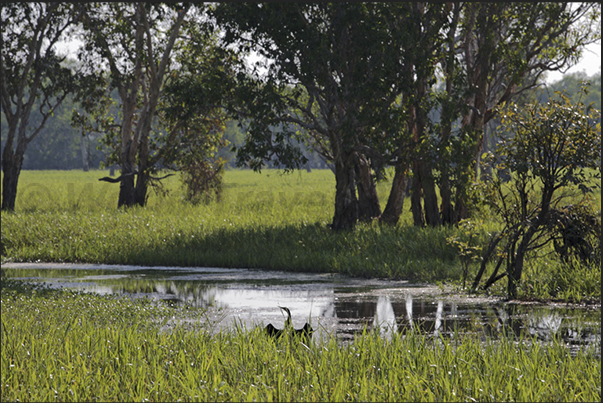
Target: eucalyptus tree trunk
[
  {"x": 126, "y": 185},
  {"x": 129, "y": 145},
  {"x": 423, "y": 187},
  {"x": 368, "y": 200},
  {"x": 129, "y": 142},
  {"x": 415, "y": 199},
  {"x": 448, "y": 108},
  {"x": 425, "y": 165},
  {"x": 395, "y": 202},
  {"x": 447, "y": 209},
  {"x": 346, "y": 203},
  {"x": 142, "y": 179},
  {"x": 12, "y": 162},
  {"x": 156, "y": 71},
  {"x": 430, "y": 197}
]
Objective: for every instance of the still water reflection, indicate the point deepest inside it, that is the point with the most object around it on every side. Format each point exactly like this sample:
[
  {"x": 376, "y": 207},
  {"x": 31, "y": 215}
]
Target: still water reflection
[{"x": 331, "y": 303}]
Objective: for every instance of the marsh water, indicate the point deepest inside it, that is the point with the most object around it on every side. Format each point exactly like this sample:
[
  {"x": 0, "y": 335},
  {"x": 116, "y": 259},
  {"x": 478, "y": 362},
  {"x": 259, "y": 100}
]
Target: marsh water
[{"x": 331, "y": 303}]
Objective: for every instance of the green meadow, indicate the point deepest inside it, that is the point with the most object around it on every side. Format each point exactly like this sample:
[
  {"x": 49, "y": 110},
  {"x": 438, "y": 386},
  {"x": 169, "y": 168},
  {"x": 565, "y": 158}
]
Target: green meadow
[
  {"x": 58, "y": 345},
  {"x": 267, "y": 220}
]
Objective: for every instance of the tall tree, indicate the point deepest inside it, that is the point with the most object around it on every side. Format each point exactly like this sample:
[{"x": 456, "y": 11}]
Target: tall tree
[
  {"x": 136, "y": 41},
  {"x": 31, "y": 74},
  {"x": 335, "y": 70},
  {"x": 428, "y": 23}
]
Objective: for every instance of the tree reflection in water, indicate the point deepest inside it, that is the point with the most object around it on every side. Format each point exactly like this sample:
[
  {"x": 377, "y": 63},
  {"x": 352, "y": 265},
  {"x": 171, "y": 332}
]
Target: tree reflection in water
[{"x": 332, "y": 304}]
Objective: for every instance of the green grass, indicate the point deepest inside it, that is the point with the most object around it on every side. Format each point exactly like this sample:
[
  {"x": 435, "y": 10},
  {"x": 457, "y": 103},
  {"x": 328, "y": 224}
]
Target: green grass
[
  {"x": 265, "y": 221},
  {"x": 64, "y": 346},
  {"x": 268, "y": 220}
]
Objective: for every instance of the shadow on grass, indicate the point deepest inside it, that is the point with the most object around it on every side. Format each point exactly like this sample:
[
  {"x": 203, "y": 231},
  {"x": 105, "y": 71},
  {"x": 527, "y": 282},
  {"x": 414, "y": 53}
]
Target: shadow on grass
[{"x": 406, "y": 253}]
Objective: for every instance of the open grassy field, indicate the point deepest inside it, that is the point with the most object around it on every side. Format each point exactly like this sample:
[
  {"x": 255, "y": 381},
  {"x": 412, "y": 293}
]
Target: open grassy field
[
  {"x": 266, "y": 221},
  {"x": 62, "y": 346}
]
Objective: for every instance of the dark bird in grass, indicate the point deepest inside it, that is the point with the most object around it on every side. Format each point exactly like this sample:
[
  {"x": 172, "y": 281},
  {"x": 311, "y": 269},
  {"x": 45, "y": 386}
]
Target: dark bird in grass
[{"x": 304, "y": 332}]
